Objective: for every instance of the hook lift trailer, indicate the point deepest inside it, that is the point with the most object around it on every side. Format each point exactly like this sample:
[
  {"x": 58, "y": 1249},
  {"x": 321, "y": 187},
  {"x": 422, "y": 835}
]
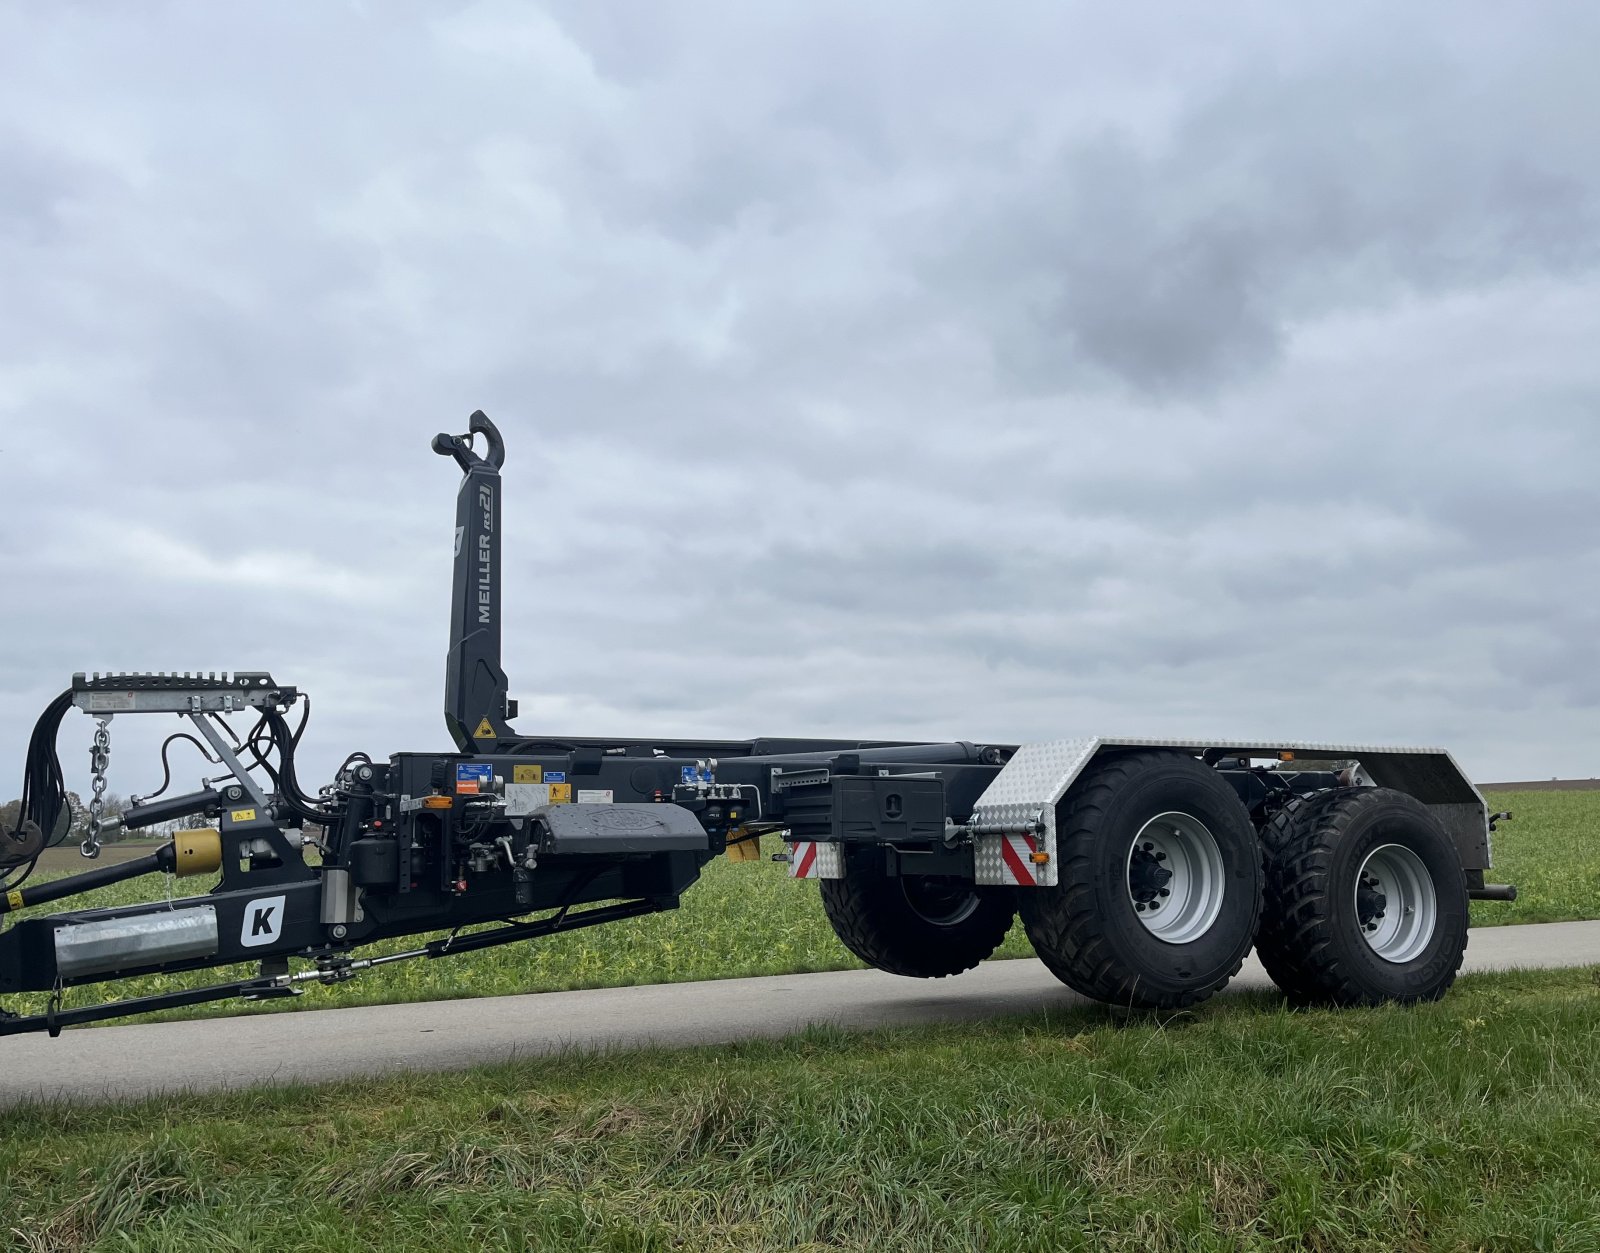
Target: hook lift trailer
[{"x": 1143, "y": 870}]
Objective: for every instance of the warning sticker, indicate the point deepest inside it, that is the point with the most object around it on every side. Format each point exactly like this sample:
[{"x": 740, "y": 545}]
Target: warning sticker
[
  {"x": 527, "y": 774},
  {"x": 560, "y": 793},
  {"x": 242, "y": 815},
  {"x": 485, "y": 730},
  {"x": 473, "y": 776},
  {"x": 524, "y": 798},
  {"x": 594, "y": 796}
]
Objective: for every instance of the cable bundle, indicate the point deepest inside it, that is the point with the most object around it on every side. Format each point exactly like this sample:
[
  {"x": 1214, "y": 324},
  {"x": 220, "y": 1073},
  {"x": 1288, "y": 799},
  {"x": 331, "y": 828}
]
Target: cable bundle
[{"x": 44, "y": 790}]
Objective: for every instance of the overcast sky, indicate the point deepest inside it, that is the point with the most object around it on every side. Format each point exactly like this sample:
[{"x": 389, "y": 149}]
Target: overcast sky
[{"x": 950, "y": 371}]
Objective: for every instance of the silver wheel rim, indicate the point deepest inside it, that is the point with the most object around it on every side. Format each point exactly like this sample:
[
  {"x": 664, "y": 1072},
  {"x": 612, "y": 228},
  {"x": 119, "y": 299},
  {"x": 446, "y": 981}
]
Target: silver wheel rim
[
  {"x": 1397, "y": 907},
  {"x": 1175, "y": 877}
]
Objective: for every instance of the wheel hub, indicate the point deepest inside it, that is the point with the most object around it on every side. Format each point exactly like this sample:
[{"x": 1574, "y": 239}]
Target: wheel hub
[
  {"x": 1146, "y": 875},
  {"x": 1175, "y": 877},
  {"x": 1397, "y": 906},
  {"x": 1370, "y": 902},
  {"x": 943, "y": 902}
]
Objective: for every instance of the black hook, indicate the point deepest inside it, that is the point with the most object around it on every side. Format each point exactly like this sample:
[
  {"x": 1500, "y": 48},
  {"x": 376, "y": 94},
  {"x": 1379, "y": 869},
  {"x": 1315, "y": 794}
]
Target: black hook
[{"x": 460, "y": 446}]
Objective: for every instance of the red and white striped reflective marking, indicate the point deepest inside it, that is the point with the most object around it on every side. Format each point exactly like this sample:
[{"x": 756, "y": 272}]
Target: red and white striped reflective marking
[
  {"x": 803, "y": 859},
  {"x": 1016, "y": 854}
]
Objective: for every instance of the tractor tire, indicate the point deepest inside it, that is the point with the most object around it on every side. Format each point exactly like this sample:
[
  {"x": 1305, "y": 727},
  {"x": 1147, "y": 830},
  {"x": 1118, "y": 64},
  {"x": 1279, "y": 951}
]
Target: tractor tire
[
  {"x": 1366, "y": 900},
  {"x": 1138, "y": 830},
  {"x": 925, "y": 928}
]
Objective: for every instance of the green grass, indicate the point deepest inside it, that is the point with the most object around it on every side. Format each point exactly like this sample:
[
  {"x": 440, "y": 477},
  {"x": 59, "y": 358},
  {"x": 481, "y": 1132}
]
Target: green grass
[
  {"x": 1469, "y": 1124},
  {"x": 751, "y": 919},
  {"x": 1551, "y": 851}
]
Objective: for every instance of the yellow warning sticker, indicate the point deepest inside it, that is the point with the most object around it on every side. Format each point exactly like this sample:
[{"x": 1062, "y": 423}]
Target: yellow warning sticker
[
  {"x": 243, "y": 815},
  {"x": 14, "y": 898},
  {"x": 561, "y": 793},
  {"x": 485, "y": 730},
  {"x": 527, "y": 774}
]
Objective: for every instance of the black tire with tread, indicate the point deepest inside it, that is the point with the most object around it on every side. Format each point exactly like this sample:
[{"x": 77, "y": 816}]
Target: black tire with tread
[
  {"x": 1309, "y": 938},
  {"x": 1086, "y": 929},
  {"x": 873, "y": 918}
]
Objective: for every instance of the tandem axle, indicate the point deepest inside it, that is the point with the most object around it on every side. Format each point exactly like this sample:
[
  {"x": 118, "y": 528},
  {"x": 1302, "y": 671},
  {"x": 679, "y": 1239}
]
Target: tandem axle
[{"x": 1143, "y": 870}]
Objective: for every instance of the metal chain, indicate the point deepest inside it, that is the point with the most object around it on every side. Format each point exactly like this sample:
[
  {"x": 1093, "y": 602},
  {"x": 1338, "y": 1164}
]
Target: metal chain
[{"x": 99, "y": 759}]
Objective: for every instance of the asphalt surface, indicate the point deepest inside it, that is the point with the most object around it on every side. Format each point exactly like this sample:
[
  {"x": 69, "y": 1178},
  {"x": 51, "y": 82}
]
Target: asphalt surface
[{"x": 120, "y": 1063}]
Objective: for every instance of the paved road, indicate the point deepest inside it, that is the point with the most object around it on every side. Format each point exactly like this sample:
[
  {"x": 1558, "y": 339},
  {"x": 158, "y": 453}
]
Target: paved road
[{"x": 101, "y": 1063}]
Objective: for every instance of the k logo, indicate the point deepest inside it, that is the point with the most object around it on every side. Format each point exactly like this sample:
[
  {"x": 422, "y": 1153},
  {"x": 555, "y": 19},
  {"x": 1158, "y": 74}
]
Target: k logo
[{"x": 263, "y": 922}]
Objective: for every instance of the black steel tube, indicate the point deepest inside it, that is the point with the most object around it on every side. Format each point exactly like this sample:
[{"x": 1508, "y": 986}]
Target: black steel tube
[
  {"x": 947, "y": 754},
  {"x": 1493, "y": 892},
  {"x": 561, "y": 921},
  {"x": 53, "y": 1020},
  {"x": 99, "y": 877},
  {"x": 148, "y": 813}
]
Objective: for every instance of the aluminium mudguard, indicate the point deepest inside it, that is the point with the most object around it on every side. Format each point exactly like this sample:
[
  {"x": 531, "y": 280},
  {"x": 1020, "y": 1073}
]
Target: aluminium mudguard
[{"x": 1016, "y": 815}]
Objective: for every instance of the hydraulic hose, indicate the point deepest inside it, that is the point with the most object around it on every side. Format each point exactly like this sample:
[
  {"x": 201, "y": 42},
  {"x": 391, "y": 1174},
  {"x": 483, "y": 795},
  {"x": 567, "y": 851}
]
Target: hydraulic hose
[
  {"x": 44, "y": 790},
  {"x": 288, "y": 784}
]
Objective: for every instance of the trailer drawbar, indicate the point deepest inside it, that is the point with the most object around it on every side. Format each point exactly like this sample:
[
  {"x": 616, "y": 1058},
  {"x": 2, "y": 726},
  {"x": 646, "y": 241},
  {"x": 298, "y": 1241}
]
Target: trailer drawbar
[{"x": 1143, "y": 869}]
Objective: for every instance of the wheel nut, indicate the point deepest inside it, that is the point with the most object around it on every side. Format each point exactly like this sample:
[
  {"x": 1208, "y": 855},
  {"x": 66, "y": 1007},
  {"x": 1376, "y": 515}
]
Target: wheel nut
[
  {"x": 1166, "y": 892},
  {"x": 1161, "y": 857},
  {"x": 1139, "y": 905},
  {"x": 1149, "y": 847}
]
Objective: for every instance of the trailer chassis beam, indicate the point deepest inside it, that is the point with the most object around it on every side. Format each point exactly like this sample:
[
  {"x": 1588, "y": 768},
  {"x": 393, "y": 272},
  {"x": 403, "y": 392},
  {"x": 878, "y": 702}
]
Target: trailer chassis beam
[{"x": 330, "y": 969}]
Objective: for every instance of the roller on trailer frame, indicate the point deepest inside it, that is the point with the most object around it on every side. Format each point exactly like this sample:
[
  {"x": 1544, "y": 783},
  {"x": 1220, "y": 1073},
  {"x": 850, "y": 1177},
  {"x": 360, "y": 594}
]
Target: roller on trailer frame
[{"x": 1143, "y": 870}]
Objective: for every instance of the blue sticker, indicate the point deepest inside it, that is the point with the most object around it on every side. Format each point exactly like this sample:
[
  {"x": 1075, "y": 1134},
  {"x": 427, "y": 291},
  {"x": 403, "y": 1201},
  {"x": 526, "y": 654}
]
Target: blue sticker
[
  {"x": 474, "y": 772},
  {"x": 696, "y": 774},
  {"x": 555, "y": 776}
]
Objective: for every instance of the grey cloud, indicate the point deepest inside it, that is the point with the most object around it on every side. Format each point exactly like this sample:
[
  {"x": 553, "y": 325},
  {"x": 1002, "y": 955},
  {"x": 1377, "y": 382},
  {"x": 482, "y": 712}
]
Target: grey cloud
[
  {"x": 1368, "y": 175},
  {"x": 39, "y": 189},
  {"x": 902, "y": 371}
]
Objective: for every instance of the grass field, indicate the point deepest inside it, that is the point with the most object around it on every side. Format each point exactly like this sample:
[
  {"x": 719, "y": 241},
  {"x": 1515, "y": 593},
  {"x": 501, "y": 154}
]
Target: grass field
[
  {"x": 1551, "y": 851},
  {"x": 65, "y": 858},
  {"x": 1469, "y": 1124},
  {"x": 751, "y": 919}
]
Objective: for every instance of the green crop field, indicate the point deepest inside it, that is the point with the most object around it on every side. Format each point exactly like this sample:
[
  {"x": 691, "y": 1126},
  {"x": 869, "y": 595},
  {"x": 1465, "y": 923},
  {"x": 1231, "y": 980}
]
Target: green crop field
[
  {"x": 750, "y": 919},
  {"x": 1551, "y": 851},
  {"x": 1473, "y": 1123}
]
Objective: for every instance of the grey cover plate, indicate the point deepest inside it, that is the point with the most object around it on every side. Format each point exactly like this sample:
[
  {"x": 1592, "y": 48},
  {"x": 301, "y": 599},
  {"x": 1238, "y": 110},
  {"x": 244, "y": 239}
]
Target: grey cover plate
[{"x": 619, "y": 829}]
